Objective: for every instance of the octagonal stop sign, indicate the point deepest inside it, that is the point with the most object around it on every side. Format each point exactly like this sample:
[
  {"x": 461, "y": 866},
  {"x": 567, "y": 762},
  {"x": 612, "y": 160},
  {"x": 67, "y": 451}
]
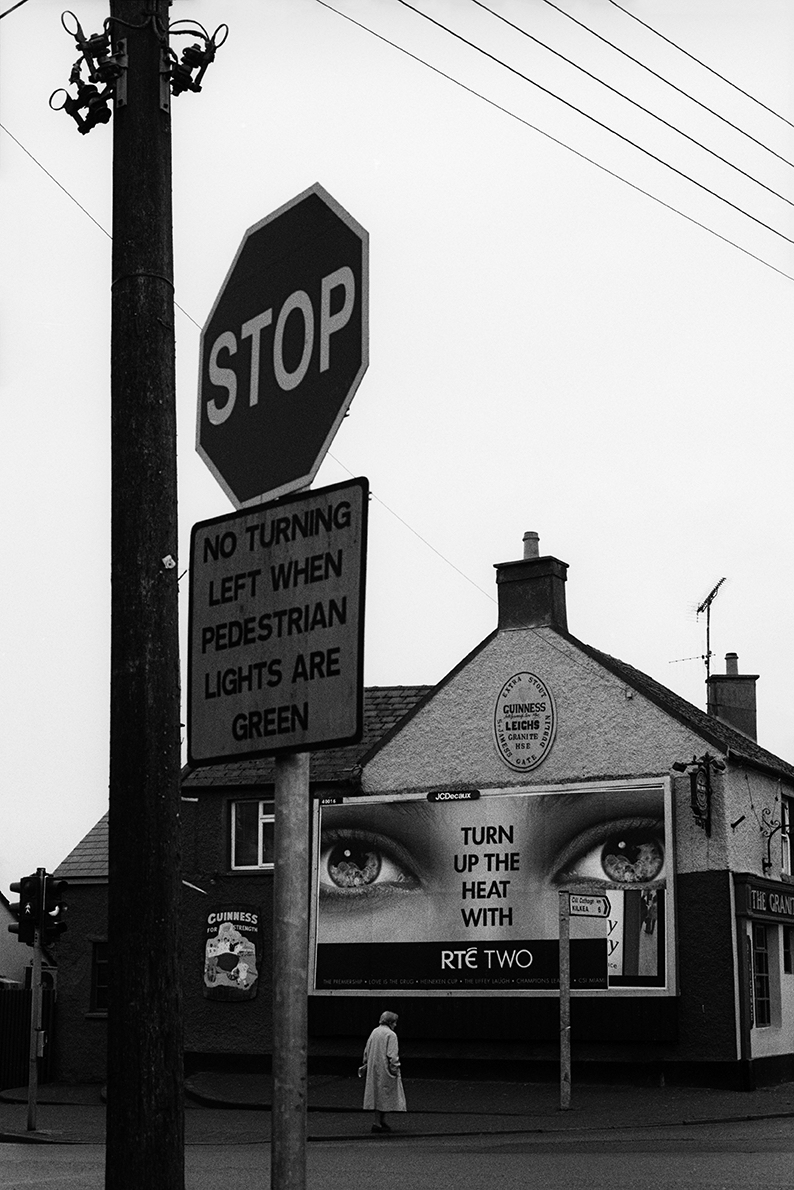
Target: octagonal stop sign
[{"x": 284, "y": 349}]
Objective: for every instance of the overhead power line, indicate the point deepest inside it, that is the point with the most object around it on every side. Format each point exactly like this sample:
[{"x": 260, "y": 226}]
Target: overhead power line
[
  {"x": 593, "y": 119},
  {"x": 11, "y": 9},
  {"x": 54, "y": 179},
  {"x": 668, "y": 82},
  {"x": 705, "y": 66},
  {"x": 424, "y": 540},
  {"x": 69, "y": 194},
  {"x": 388, "y": 508},
  {"x": 641, "y": 107},
  {"x": 555, "y": 140}
]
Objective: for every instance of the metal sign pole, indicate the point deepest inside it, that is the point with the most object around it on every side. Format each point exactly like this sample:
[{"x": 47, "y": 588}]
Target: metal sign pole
[
  {"x": 565, "y": 1001},
  {"x": 291, "y": 971},
  {"x": 35, "y": 1030}
]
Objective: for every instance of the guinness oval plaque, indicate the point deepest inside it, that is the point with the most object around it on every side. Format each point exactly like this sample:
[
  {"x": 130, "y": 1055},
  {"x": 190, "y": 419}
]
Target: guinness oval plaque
[{"x": 524, "y": 721}]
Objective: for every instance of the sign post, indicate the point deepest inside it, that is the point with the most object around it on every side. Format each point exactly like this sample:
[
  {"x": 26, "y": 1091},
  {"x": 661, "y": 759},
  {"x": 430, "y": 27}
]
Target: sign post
[
  {"x": 275, "y": 666},
  {"x": 572, "y": 905},
  {"x": 291, "y": 965},
  {"x": 277, "y": 598},
  {"x": 565, "y": 1000}
]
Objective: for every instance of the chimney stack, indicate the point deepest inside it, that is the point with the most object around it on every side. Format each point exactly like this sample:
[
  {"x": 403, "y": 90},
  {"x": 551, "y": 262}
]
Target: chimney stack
[
  {"x": 532, "y": 591},
  {"x": 731, "y": 697}
]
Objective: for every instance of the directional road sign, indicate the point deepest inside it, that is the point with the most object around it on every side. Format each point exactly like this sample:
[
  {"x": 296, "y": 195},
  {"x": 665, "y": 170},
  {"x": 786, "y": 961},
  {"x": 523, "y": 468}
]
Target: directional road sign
[
  {"x": 284, "y": 349},
  {"x": 587, "y": 906},
  {"x": 276, "y": 626}
]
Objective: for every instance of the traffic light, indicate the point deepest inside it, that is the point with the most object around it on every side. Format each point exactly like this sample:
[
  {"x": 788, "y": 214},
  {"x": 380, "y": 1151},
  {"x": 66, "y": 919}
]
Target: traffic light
[
  {"x": 53, "y": 909},
  {"x": 27, "y": 909}
]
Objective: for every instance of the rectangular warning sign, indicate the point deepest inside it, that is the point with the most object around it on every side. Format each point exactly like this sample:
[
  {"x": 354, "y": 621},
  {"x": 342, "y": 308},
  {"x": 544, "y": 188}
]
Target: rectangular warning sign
[{"x": 276, "y": 626}]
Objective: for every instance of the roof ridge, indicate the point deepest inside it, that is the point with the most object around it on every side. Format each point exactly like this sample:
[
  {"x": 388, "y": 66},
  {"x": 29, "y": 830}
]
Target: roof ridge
[{"x": 716, "y": 731}]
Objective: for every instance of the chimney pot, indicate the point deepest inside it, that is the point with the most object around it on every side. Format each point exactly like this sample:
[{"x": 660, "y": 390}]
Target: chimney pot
[
  {"x": 532, "y": 591},
  {"x": 531, "y": 545},
  {"x": 731, "y": 697}
]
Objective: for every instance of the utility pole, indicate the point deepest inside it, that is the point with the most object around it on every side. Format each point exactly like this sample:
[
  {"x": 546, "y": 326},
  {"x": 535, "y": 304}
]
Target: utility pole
[{"x": 145, "y": 1120}]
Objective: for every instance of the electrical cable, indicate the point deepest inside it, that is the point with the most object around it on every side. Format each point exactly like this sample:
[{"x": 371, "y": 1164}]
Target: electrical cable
[
  {"x": 633, "y": 102},
  {"x": 198, "y": 326},
  {"x": 661, "y": 161},
  {"x": 710, "y": 69},
  {"x": 78, "y": 204},
  {"x": 417, "y": 534},
  {"x": 11, "y": 9},
  {"x": 555, "y": 140},
  {"x": 55, "y": 180},
  {"x": 668, "y": 82}
]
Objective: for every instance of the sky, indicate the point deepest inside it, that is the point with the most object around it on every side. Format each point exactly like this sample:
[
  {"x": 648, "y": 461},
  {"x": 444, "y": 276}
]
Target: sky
[{"x": 566, "y": 336}]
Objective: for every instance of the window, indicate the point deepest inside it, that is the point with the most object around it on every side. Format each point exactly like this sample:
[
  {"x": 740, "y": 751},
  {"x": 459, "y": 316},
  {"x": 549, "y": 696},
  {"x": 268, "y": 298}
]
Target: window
[
  {"x": 762, "y": 998},
  {"x": 787, "y": 934},
  {"x": 252, "y": 835},
  {"x": 786, "y": 822},
  {"x": 99, "y": 977}
]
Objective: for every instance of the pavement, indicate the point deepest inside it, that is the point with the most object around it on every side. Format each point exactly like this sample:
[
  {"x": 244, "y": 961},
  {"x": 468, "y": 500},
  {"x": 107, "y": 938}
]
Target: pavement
[{"x": 235, "y": 1108}]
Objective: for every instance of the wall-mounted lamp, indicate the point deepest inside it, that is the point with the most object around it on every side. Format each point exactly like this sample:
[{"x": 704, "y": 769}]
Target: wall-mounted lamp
[{"x": 769, "y": 828}]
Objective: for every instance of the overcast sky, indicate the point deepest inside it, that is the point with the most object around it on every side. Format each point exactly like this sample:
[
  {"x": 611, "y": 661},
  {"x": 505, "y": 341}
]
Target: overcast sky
[{"x": 550, "y": 347}]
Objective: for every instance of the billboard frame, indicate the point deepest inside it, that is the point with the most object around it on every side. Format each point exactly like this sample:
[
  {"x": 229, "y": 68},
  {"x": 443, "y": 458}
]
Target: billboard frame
[{"x": 661, "y": 783}]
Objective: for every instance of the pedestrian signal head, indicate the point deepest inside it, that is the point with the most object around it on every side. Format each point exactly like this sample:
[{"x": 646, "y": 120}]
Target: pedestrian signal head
[
  {"x": 27, "y": 909},
  {"x": 53, "y": 910}
]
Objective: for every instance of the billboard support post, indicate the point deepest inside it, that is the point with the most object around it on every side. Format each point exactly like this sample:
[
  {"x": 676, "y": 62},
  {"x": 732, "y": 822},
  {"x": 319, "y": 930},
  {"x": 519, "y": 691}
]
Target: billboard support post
[
  {"x": 565, "y": 1001},
  {"x": 291, "y": 968}
]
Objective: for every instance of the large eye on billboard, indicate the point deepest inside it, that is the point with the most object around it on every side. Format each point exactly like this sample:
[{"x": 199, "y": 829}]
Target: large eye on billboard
[{"x": 460, "y": 891}]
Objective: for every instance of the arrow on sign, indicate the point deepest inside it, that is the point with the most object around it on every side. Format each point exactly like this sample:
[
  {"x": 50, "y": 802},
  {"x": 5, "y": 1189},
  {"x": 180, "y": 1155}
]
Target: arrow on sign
[{"x": 586, "y": 906}]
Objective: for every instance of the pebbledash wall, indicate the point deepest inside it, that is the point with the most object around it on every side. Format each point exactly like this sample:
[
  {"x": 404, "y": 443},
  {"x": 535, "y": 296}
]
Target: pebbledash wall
[{"x": 442, "y": 842}]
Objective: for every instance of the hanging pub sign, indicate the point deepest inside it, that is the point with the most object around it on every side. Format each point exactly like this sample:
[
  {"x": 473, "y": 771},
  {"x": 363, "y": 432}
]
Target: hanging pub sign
[
  {"x": 524, "y": 722},
  {"x": 700, "y": 794},
  {"x": 232, "y": 953}
]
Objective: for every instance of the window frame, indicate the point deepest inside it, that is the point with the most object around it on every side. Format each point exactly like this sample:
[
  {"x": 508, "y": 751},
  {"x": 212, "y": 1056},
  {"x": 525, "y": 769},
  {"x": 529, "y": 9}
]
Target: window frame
[
  {"x": 265, "y": 818},
  {"x": 100, "y": 969},
  {"x": 762, "y": 975}
]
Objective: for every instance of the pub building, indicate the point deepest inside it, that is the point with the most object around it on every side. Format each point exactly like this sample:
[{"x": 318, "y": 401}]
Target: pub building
[{"x": 538, "y": 766}]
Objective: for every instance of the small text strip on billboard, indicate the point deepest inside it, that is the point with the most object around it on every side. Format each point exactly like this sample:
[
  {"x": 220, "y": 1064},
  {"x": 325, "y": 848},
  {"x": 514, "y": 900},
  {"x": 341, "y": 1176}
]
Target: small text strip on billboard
[{"x": 276, "y": 626}]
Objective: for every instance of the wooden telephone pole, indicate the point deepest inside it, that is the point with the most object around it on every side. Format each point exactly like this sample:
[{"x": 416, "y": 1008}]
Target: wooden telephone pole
[{"x": 145, "y": 1121}]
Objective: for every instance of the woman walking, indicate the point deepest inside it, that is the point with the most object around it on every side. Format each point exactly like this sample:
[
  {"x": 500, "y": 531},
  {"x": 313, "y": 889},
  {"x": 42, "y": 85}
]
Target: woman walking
[{"x": 383, "y": 1091}]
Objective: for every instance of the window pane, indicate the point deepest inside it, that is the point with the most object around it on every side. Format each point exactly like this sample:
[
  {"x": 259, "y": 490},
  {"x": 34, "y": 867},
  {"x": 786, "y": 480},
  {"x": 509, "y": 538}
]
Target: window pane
[
  {"x": 246, "y": 834},
  {"x": 99, "y": 977},
  {"x": 761, "y": 988},
  {"x": 267, "y": 839}
]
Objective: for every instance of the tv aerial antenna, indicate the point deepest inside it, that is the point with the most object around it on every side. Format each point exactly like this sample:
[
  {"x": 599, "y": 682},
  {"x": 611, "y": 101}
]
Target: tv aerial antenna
[{"x": 705, "y": 607}]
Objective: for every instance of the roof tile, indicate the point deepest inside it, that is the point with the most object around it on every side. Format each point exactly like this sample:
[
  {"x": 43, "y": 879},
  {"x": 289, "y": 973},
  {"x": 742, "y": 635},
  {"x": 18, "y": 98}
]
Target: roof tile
[{"x": 384, "y": 706}]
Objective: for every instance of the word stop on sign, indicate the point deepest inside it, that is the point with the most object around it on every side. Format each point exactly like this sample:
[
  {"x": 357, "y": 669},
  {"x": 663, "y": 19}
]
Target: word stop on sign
[{"x": 323, "y": 318}]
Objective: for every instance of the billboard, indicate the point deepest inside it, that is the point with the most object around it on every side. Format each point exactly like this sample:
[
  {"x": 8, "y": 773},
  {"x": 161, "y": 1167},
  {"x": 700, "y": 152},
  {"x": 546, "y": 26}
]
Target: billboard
[{"x": 458, "y": 891}]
